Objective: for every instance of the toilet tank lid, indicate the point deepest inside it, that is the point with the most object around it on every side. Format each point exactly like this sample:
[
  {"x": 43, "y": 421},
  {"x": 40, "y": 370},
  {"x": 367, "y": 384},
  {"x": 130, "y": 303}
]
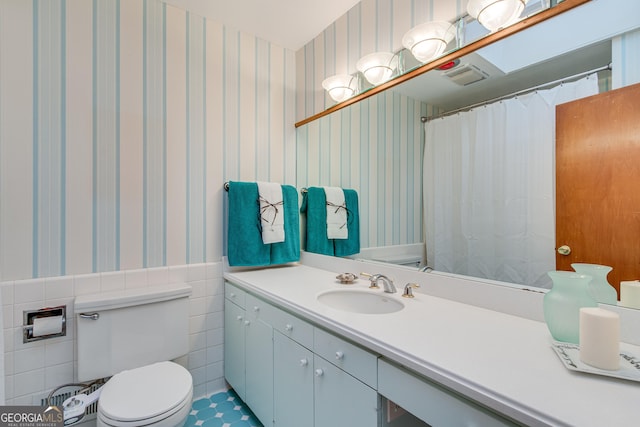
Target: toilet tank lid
[{"x": 129, "y": 297}]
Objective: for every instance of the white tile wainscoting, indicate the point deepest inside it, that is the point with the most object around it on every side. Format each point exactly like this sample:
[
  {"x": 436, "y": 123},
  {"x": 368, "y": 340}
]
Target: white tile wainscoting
[{"x": 32, "y": 370}]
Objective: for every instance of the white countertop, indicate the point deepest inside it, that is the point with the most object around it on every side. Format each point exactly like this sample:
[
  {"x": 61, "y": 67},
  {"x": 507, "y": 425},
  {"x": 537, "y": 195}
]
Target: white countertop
[{"x": 503, "y": 361}]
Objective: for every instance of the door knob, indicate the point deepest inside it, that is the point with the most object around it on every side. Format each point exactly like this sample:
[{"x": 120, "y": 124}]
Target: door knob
[{"x": 564, "y": 250}]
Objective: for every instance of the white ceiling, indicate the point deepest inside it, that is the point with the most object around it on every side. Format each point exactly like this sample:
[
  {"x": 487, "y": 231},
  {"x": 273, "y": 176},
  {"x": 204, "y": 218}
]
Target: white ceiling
[{"x": 287, "y": 23}]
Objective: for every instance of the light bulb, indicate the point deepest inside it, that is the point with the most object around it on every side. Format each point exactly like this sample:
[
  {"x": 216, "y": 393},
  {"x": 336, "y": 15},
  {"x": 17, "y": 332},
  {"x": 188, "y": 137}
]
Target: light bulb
[
  {"x": 495, "y": 14},
  {"x": 377, "y": 67},
  {"x": 340, "y": 87},
  {"x": 429, "y": 40}
]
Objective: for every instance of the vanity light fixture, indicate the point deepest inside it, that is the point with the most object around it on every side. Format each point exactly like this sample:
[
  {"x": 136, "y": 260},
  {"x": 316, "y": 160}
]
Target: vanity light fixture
[
  {"x": 341, "y": 86},
  {"x": 495, "y": 14},
  {"x": 429, "y": 40},
  {"x": 378, "y": 67}
]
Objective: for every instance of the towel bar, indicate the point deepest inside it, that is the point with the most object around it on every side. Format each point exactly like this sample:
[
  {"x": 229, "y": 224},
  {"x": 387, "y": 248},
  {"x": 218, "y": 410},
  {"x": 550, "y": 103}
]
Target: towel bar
[{"x": 226, "y": 187}]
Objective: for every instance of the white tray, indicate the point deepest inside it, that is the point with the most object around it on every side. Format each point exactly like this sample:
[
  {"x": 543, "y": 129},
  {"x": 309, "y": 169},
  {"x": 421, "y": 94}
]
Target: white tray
[{"x": 569, "y": 354}]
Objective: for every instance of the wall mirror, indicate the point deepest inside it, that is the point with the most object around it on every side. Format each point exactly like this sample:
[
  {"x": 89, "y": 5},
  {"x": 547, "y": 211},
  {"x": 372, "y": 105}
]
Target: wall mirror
[{"x": 564, "y": 46}]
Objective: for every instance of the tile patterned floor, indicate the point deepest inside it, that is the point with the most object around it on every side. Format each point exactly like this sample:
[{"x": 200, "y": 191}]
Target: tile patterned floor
[{"x": 224, "y": 409}]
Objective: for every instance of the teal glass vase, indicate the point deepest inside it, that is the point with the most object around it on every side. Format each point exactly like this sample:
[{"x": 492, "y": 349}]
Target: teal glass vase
[
  {"x": 561, "y": 305},
  {"x": 601, "y": 290}
]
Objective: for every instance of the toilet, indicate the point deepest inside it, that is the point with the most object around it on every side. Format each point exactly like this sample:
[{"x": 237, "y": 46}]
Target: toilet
[{"x": 131, "y": 336}]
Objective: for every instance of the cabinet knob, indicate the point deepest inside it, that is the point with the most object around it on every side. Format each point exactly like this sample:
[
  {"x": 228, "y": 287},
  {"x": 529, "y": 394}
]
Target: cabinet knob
[
  {"x": 239, "y": 318},
  {"x": 247, "y": 323},
  {"x": 256, "y": 308},
  {"x": 304, "y": 362},
  {"x": 288, "y": 327},
  {"x": 339, "y": 355},
  {"x": 319, "y": 372},
  {"x": 232, "y": 295}
]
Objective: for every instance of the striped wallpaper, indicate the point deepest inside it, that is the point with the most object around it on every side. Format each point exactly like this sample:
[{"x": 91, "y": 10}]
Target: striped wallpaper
[
  {"x": 119, "y": 122},
  {"x": 121, "y": 119}
]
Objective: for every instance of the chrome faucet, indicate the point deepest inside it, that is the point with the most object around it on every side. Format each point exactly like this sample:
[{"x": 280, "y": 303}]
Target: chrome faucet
[
  {"x": 386, "y": 282},
  {"x": 408, "y": 290}
]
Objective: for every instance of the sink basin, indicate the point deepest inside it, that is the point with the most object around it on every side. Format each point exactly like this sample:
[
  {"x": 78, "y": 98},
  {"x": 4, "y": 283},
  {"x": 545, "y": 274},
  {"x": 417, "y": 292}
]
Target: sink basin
[{"x": 363, "y": 302}]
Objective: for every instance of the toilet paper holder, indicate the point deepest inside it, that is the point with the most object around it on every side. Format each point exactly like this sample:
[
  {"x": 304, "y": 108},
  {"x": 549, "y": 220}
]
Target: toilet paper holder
[{"x": 56, "y": 317}]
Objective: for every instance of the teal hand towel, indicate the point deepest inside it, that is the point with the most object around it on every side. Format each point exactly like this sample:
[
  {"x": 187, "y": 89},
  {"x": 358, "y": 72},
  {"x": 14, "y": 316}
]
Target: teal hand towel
[
  {"x": 314, "y": 204},
  {"x": 351, "y": 245},
  {"x": 289, "y": 250},
  {"x": 244, "y": 238}
]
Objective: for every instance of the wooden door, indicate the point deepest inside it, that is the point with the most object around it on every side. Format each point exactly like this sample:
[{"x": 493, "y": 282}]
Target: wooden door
[{"x": 598, "y": 182}]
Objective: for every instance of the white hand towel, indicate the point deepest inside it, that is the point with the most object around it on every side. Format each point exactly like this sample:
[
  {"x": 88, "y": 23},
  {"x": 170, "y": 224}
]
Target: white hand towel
[
  {"x": 271, "y": 212},
  {"x": 336, "y": 213}
]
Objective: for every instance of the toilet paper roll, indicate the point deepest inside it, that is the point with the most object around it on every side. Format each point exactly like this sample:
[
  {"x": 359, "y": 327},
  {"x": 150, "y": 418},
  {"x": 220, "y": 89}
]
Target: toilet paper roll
[{"x": 47, "y": 325}]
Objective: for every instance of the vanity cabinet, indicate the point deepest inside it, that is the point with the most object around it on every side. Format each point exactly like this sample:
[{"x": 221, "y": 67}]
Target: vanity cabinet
[
  {"x": 248, "y": 351},
  {"x": 293, "y": 374},
  {"x": 311, "y": 390}
]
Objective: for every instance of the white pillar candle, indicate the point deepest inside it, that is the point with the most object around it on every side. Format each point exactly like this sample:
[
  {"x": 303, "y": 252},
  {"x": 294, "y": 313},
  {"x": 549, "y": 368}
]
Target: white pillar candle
[
  {"x": 600, "y": 338},
  {"x": 630, "y": 294}
]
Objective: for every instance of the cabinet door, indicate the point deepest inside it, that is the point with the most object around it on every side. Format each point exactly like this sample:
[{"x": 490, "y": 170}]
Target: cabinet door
[
  {"x": 340, "y": 399},
  {"x": 293, "y": 383},
  {"x": 259, "y": 369},
  {"x": 234, "y": 347}
]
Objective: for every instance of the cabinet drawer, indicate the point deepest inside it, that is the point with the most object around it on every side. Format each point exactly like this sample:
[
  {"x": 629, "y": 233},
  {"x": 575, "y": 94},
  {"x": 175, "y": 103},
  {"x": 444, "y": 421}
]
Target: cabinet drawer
[
  {"x": 293, "y": 327},
  {"x": 349, "y": 357},
  {"x": 431, "y": 402},
  {"x": 234, "y": 294},
  {"x": 258, "y": 309}
]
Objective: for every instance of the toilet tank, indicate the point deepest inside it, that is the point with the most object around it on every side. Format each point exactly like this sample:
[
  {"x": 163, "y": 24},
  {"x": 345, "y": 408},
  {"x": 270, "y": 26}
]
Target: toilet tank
[{"x": 128, "y": 329}]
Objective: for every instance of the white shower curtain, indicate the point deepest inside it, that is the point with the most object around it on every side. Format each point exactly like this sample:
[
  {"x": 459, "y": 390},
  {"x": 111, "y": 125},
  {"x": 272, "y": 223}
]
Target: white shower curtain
[{"x": 489, "y": 187}]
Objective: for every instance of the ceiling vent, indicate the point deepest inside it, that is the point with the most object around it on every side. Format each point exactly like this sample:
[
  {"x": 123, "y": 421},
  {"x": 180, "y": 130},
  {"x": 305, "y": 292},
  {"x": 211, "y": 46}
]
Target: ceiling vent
[{"x": 465, "y": 74}]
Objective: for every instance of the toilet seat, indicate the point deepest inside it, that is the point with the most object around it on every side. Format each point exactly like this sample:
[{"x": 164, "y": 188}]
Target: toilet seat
[{"x": 146, "y": 395}]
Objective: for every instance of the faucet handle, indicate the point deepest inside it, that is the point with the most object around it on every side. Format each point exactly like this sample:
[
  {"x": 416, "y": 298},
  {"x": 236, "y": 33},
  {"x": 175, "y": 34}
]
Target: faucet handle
[
  {"x": 373, "y": 278},
  {"x": 408, "y": 290}
]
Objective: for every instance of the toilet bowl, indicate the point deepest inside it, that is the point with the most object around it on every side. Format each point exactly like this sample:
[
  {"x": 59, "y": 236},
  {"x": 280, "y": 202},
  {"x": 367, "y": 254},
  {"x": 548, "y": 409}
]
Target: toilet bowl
[
  {"x": 131, "y": 337},
  {"x": 158, "y": 394}
]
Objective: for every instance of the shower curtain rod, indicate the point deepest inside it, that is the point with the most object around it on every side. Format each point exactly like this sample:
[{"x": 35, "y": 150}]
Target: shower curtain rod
[{"x": 424, "y": 119}]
